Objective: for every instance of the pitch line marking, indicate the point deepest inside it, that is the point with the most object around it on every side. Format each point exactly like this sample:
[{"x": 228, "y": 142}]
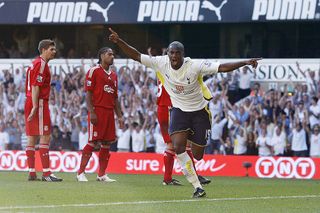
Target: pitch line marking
[{"x": 160, "y": 202}]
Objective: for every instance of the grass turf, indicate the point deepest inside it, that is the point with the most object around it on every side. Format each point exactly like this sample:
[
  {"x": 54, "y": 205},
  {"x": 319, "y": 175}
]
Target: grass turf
[{"x": 224, "y": 194}]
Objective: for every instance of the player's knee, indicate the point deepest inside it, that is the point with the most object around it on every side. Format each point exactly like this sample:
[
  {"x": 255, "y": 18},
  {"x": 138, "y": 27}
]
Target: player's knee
[{"x": 178, "y": 148}]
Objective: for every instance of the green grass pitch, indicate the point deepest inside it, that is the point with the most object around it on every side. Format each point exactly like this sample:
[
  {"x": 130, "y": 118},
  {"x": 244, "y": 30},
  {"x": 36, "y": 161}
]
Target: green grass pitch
[{"x": 145, "y": 193}]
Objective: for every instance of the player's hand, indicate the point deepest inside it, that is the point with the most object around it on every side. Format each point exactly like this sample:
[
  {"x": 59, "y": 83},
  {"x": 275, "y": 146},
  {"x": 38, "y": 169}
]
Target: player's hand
[
  {"x": 121, "y": 122},
  {"x": 114, "y": 37},
  {"x": 253, "y": 62},
  {"x": 32, "y": 113},
  {"x": 93, "y": 118}
]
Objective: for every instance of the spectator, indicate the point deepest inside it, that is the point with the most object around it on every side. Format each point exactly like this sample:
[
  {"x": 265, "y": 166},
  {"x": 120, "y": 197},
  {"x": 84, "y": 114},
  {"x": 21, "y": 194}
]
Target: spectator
[
  {"x": 124, "y": 136},
  {"x": 251, "y": 144},
  {"x": 138, "y": 137},
  {"x": 56, "y": 139},
  {"x": 214, "y": 143},
  {"x": 278, "y": 141},
  {"x": 263, "y": 144},
  {"x": 14, "y": 135},
  {"x": 245, "y": 78},
  {"x": 240, "y": 142},
  {"x": 315, "y": 142},
  {"x": 299, "y": 140},
  {"x": 4, "y": 138}
]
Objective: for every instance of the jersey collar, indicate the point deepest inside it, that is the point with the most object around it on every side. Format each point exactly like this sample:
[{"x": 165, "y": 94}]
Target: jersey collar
[{"x": 106, "y": 71}]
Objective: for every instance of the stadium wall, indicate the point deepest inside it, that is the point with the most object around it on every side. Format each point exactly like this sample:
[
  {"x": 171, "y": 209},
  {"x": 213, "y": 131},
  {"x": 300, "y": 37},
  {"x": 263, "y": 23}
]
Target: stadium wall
[{"x": 151, "y": 163}]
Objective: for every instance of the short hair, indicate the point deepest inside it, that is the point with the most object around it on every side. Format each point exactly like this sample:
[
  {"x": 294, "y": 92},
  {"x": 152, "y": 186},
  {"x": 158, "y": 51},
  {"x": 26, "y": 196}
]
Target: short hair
[
  {"x": 45, "y": 44},
  {"x": 176, "y": 45},
  {"x": 102, "y": 51}
]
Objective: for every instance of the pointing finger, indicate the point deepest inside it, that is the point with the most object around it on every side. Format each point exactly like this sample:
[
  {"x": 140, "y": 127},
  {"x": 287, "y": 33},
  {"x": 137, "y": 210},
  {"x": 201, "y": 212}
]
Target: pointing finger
[{"x": 112, "y": 30}]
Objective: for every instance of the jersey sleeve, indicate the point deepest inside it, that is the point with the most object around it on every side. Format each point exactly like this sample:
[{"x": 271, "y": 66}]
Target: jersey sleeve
[
  {"x": 90, "y": 80},
  {"x": 151, "y": 61},
  {"x": 38, "y": 74},
  {"x": 208, "y": 67}
]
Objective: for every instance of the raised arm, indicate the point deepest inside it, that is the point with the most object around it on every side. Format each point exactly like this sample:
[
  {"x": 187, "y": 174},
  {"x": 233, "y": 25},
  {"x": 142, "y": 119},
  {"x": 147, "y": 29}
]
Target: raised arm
[
  {"x": 228, "y": 67},
  {"x": 130, "y": 51}
]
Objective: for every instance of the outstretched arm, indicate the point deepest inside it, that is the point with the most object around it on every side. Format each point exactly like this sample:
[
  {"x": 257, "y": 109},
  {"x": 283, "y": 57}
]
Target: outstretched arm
[
  {"x": 130, "y": 51},
  {"x": 228, "y": 67}
]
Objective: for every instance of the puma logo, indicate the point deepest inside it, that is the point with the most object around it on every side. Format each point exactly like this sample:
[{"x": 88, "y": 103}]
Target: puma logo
[
  {"x": 208, "y": 5},
  {"x": 98, "y": 8},
  {"x": 1, "y": 4}
]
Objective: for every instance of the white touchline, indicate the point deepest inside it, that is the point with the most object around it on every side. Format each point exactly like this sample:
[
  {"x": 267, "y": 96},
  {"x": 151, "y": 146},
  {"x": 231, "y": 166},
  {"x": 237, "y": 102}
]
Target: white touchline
[{"x": 160, "y": 202}]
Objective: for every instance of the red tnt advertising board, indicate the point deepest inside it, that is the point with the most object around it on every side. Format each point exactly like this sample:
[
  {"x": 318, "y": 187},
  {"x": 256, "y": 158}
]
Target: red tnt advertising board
[{"x": 146, "y": 163}]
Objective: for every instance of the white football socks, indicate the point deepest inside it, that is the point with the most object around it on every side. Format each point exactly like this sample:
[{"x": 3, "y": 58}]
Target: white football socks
[{"x": 188, "y": 169}]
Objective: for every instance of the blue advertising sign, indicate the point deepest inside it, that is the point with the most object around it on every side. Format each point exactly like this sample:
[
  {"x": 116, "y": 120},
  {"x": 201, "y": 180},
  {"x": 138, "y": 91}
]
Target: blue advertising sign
[{"x": 151, "y": 11}]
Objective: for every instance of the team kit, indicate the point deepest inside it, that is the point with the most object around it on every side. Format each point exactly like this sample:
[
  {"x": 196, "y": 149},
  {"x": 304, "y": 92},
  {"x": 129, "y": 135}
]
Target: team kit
[{"x": 182, "y": 109}]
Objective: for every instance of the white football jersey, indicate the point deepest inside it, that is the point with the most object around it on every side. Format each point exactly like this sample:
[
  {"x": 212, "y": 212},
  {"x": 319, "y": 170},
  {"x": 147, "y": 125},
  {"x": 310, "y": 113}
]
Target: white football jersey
[{"x": 182, "y": 85}]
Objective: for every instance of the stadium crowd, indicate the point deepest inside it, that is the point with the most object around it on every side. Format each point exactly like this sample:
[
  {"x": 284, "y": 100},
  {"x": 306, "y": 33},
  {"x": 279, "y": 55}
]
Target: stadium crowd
[{"x": 246, "y": 119}]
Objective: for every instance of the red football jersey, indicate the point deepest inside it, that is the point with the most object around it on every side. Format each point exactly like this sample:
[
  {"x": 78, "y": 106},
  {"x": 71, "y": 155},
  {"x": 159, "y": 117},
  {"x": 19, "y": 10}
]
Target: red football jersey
[
  {"x": 104, "y": 86},
  {"x": 38, "y": 74},
  {"x": 163, "y": 98}
]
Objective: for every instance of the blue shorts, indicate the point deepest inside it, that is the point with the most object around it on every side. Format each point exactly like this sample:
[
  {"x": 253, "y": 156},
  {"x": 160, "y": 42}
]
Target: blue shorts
[{"x": 198, "y": 123}]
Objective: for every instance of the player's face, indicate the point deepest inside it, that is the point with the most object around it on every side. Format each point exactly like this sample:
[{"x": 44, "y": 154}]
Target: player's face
[
  {"x": 50, "y": 53},
  {"x": 108, "y": 57},
  {"x": 176, "y": 57}
]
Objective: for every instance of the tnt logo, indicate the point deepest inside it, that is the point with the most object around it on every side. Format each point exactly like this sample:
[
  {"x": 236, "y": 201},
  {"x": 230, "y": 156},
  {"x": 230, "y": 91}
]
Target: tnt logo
[{"x": 283, "y": 167}]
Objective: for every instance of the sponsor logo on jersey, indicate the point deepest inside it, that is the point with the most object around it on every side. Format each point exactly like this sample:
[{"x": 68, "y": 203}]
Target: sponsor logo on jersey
[
  {"x": 46, "y": 128},
  {"x": 284, "y": 9},
  {"x": 179, "y": 88},
  {"x": 108, "y": 89},
  {"x": 65, "y": 12},
  {"x": 168, "y": 11},
  {"x": 95, "y": 134},
  {"x": 39, "y": 78}
]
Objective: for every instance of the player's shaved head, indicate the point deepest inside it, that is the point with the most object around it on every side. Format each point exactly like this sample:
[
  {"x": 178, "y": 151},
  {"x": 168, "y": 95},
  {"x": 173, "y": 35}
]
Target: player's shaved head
[{"x": 176, "y": 45}]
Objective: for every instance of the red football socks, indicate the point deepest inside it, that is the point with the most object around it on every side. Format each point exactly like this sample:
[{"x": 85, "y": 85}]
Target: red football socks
[
  {"x": 86, "y": 155},
  {"x": 168, "y": 160},
  {"x": 103, "y": 160},
  {"x": 30, "y": 152},
  {"x": 45, "y": 160}
]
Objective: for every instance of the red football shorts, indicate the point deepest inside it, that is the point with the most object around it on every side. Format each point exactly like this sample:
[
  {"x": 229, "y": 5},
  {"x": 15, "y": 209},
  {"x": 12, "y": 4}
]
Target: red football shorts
[
  {"x": 104, "y": 129},
  {"x": 40, "y": 123},
  {"x": 163, "y": 118}
]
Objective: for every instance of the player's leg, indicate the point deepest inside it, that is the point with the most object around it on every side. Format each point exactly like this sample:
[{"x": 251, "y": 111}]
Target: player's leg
[
  {"x": 32, "y": 132},
  {"x": 30, "y": 152},
  {"x": 87, "y": 150},
  {"x": 44, "y": 132},
  {"x": 85, "y": 157},
  {"x": 104, "y": 156},
  {"x": 201, "y": 126},
  {"x": 45, "y": 160},
  {"x": 203, "y": 180},
  {"x": 180, "y": 126},
  {"x": 107, "y": 131},
  {"x": 168, "y": 160},
  {"x": 179, "y": 140},
  {"x": 168, "y": 156}
]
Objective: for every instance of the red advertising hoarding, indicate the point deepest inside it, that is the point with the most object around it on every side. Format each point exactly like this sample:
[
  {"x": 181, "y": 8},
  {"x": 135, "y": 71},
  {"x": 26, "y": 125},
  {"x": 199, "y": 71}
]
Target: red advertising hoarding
[{"x": 150, "y": 163}]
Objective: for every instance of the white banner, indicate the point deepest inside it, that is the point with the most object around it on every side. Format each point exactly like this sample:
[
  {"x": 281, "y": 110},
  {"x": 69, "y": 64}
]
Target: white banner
[{"x": 268, "y": 70}]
